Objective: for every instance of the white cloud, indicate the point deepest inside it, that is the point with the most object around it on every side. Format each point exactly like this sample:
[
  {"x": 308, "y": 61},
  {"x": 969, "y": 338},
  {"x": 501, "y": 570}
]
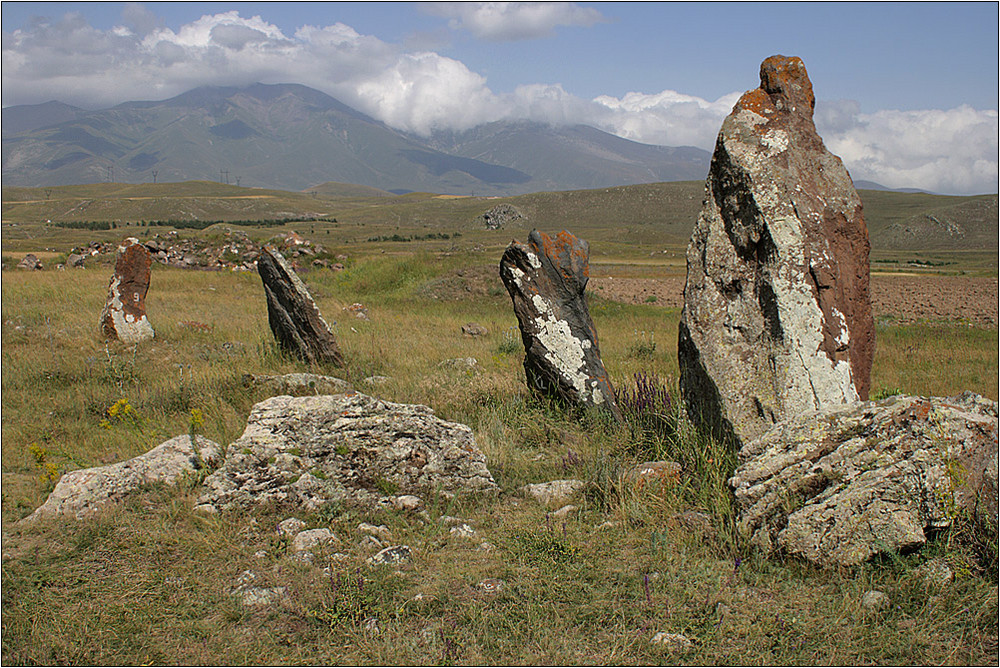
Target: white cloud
[
  {"x": 513, "y": 21},
  {"x": 950, "y": 151}
]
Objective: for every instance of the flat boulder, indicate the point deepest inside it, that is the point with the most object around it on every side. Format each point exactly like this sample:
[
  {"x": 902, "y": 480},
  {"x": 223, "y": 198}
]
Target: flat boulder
[
  {"x": 82, "y": 493},
  {"x": 841, "y": 484},
  {"x": 546, "y": 280},
  {"x": 346, "y": 448},
  {"x": 292, "y": 314},
  {"x": 124, "y": 315},
  {"x": 777, "y": 316},
  {"x": 298, "y": 384}
]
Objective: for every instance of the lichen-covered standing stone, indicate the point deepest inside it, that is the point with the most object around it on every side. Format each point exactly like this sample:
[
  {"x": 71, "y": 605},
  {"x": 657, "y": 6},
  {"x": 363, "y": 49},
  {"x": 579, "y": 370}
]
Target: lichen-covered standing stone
[
  {"x": 124, "y": 314},
  {"x": 777, "y": 316},
  {"x": 546, "y": 280},
  {"x": 292, "y": 314}
]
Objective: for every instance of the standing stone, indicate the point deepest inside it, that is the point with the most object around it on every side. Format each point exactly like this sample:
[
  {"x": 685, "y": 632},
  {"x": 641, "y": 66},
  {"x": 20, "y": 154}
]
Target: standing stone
[
  {"x": 292, "y": 314},
  {"x": 546, "y": 280},
  {"x": 124, "y": 314},
  {"x": 777, "y": 317}
]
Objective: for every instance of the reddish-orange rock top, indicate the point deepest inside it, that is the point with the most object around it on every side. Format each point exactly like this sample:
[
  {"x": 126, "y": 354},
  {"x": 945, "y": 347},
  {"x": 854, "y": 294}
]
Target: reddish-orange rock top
[{"x": 784, "y": 86}]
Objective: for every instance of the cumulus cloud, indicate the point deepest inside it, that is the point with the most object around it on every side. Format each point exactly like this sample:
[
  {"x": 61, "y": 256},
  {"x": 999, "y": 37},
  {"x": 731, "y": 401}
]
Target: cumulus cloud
[
  {"x": 950, "y": 151},
  {"x": 513, "y": 21}
]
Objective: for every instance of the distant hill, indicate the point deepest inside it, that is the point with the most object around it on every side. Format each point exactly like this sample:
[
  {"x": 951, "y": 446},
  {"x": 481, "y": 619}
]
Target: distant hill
[{"x": 293, "y": 137}]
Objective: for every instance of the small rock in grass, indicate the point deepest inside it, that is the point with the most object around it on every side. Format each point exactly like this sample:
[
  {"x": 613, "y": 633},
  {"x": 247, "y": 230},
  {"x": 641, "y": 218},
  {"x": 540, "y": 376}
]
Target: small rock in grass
[
  {"x": 448, "y": 520},
  {"x": 874, "y": 600},
  {"x": 672, "y": 641},
  {"x": 397, "y": 554},
  {"x": 474, "y": 329},
  {"x": 371, "y": 626},
  {"x": 556, "y": 491},
  {"x": 381, "y": 531},
  {"x": 935, "y": 573},
  {"x": 565, "y": 511},
  {"x": 369, "y": 542},
  {"x": 290, "y": 527},
  {"x": 463, "y": 363},
  {"x": 463, "y": 531},
  {"x": 491, "y": 585},
  {"x": 310, "y": 538},
  {"x": 407, "y": 502}
]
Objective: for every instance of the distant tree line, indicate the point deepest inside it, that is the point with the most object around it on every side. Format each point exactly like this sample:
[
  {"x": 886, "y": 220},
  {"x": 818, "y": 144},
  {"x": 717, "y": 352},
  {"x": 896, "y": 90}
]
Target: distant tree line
[
  {"x": 185, "y": 224},
  {"x": 417, "y": 237}
]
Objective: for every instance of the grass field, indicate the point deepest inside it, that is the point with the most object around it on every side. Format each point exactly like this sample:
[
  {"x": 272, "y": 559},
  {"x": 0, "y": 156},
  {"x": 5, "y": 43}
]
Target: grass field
[{"x": 148, "y": 581}]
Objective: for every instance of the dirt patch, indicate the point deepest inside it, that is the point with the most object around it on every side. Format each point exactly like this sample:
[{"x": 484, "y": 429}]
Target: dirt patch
[{"x": 901, "y": 299}]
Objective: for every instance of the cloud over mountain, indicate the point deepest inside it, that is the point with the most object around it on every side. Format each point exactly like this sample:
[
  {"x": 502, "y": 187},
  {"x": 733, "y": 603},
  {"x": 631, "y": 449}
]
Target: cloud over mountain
[{"x": 423, "y": 91}]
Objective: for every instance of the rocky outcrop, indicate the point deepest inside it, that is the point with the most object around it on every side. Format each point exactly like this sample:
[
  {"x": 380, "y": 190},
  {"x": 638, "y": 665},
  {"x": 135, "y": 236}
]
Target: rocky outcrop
[
  {"x": 30, "y": 263},
  {"x": 546, "y": 280},
  {"x": 838, "y": 485},
  {"x": 500, "y": 216},
  {"x": 81, "y": 493},
  {"x": 292, "y": 314},
  {"x": 347, "y": 448},
  {"x": 777, "y": 317},
  {"x": 124, "y": 314}
]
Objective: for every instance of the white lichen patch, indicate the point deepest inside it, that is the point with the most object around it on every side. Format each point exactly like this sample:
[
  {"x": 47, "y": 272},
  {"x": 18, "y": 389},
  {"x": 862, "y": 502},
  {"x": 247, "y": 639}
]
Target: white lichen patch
[
  {"x": 563, "y": 350},
  {"x": 776, "y": 142},
  {"x": 843, "y": 337}
]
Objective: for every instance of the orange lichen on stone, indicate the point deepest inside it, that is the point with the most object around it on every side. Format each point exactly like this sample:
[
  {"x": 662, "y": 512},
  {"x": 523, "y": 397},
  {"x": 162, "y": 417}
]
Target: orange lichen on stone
[
  {"x": 757, "y": 101},
  {"x": 786, "y": 81}
]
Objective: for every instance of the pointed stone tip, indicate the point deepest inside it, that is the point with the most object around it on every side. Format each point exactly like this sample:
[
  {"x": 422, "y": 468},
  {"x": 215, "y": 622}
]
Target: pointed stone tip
[{"x": 785, "y": 80}]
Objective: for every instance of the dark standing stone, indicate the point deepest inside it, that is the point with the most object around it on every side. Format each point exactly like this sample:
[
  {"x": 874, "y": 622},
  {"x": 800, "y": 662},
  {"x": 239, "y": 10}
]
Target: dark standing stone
[
  {"x": 124, "y": 314},
  {"x": 292, "y": 314},
  {"x": 777, "y": 317},
  {"x": 546, "y": 281}
]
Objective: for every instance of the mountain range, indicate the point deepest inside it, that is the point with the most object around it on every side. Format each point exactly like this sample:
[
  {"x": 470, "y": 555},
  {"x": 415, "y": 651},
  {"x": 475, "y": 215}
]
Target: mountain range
[{"x": 293, "y": 137}]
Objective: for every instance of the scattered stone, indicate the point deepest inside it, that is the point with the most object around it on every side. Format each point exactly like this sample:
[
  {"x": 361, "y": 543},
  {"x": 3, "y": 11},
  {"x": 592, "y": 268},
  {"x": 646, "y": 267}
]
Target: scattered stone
[
  {"x": 82, "y": 493},
  {"x": 546, "y": 280},
  {"x": 486, "y": 546},
  {"x": 359, "y": 310},
  {"x": 260, "y": 554},
  {"x": 371, "y": 626},
  {"x": 554, "y": 492},
  {"x": 397, "y": 554},
  {"x": 564, "y": 512},
  {"x": 369, "y": 543},
  {"x": 461, "y": 363},
  {"x": 290, "y": 527},
  {"x": 292, "y": 314},
  {"x": 124, "y": 314},
  {"x": 380, "y": 531},
  {"x": 936, "y": 573},
  {"x": 674, "y": 642},
  {"x": 777, "y": 316},
  {"x": 298, "y": 384},
  {"x": 874, "y": 600},
  {"x": 500, "y": 216},
  {"x": 841, "y": 484},
  {"x": 491, "y": 585},
  {"x": 30, "y": 263},
  {"x": 450, "y": 521},
  {"x": 310, "y": 538},
  {"x": 75, "y": 261},
  {"x": 606, "y": 525},
  {"x": 474, "y": 329},
  {"x": 348, "y": 448},
  {"x": 256, "y": 597},
  {"x": 377, "y": 380},
  {"x": 407, "y": 502},
  {"x": 463, "y": 531}
]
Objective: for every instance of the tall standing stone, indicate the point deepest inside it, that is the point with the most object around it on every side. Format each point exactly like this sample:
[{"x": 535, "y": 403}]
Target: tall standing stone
[
  {"x": 777, "y": 317},
  {"x": 292, "y": 314},
  {"x": 546, "y": 281},
  {"x": 124, "y": 314}
]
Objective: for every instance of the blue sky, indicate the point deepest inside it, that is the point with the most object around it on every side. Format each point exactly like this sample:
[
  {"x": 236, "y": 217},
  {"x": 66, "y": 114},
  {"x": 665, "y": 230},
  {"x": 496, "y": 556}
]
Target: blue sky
[{"x": 907, "y": 92}]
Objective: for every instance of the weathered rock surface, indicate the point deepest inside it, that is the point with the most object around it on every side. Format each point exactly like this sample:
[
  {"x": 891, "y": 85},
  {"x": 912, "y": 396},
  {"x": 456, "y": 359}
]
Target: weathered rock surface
[
  {"x": 546, "y": 280},
  {"x": 555, "y": 492},
  {"x": 30, "y": 263},
  {"x": 777, "y": 316},
  {"x": 75, "y": 260},
  {"x": 474, "y": 329},
  {"x": 292, "y": 314},
  {"x": 124, "y": 314},
  {"x": 349, "y": 448},
  {"x": 838, "y": 485},
  {"x": 83, "y": 492},
  {"x": 500, "y": 216},
  {"x": 298, "y": 384}
]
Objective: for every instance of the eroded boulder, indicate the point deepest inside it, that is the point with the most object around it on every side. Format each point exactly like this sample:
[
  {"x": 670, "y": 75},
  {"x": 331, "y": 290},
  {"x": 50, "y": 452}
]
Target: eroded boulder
[
  {"x": 124, "y": 315},
  {"x": 838, "y": 485},
  {"x": 292, "y": 314},
  {"x": 297, "y": 384},
  {"x": 82, "y": 493},
  {"x": 546, "y": 280},
  {"x": 348, "y": 448},
  {"x": 777, "y": 316}
]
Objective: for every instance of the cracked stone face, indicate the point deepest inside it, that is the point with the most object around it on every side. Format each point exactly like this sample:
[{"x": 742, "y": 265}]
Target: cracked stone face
[
  {"x": 546, "y": 280},
  {"x": 777, "y": 316}
]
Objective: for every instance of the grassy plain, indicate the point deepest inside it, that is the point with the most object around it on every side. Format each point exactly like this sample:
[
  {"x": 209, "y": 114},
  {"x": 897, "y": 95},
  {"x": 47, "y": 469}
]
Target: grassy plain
[{"x": 148, "y": 581}]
